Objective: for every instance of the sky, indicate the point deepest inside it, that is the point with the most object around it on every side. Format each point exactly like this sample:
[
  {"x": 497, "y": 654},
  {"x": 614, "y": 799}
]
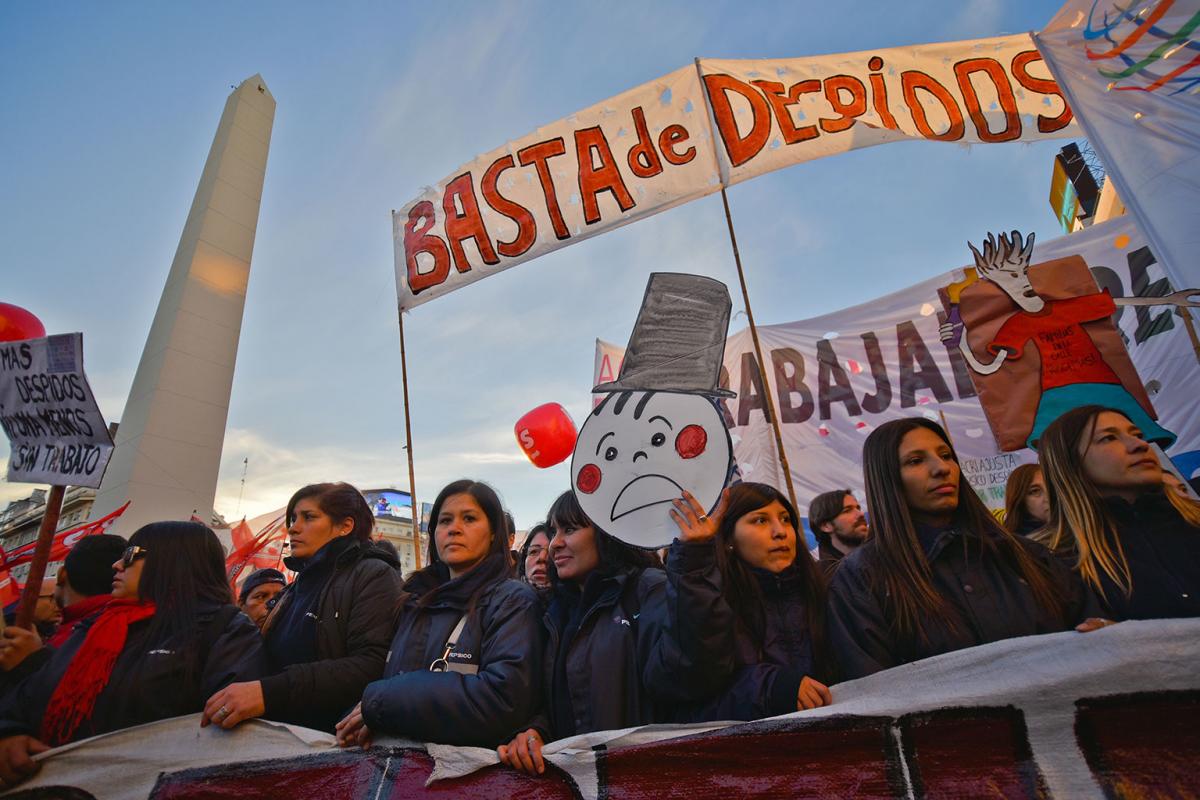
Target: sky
[{"x": 110, "y": 110}]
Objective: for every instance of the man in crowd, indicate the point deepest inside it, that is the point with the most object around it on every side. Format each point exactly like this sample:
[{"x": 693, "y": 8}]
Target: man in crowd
[
  {"x": 81, "y": 588},
  {"x": 838, "y": 522},
  {"x": 258, "y": 592}
]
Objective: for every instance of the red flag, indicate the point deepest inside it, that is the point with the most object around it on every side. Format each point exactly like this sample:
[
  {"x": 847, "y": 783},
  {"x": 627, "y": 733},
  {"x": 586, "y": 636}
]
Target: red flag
[
  {"x": 10, "y": 590},
  {"x": 251, "y": 551},
  {"x": 65, "y": 540}
]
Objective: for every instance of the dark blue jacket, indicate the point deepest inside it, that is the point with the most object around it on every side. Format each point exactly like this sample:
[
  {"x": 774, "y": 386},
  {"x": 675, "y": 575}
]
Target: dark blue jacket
[
  {"x": 985, "y": 597},
  {"x": 630, "y": 648},
  {"x": 150, "y": 680},
  {"x": 766, "y": 679},
  {"x": 352, "y": 623},
  {"x": 1163, "y": 553},
  {"x": 501, "y": 640}
]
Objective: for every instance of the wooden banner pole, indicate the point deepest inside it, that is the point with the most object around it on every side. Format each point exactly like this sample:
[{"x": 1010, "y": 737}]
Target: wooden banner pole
[
  {"x": 762, "y": 371},
  {"x": 412, "y": 480},
  {"x": 41, "y": 555}
]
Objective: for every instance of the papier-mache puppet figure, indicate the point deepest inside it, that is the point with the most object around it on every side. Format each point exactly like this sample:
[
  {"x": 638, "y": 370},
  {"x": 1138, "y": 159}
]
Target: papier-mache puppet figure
[
  {"x": 1056, "y": 350},
  {"x": 657, "y": 430}
]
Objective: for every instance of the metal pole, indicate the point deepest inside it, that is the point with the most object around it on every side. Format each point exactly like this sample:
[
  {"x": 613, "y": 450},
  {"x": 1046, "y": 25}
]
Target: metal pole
[
  {"x": 737, "y": 258},
  {"x": 412, "y": 480},
  {"x": 41, "y": 554}
]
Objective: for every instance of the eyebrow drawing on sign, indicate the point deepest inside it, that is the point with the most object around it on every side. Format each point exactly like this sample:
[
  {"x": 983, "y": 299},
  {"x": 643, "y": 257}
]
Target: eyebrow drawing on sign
[{"x": 657, "y": 430}]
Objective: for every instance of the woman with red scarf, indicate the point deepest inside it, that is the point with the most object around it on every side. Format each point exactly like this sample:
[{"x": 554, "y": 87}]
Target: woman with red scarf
[{"x": 169, "y": 638}]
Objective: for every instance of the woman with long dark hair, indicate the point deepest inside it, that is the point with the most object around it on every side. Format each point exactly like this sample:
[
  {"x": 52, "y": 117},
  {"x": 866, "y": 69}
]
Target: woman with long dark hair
[
  {"x": 1136, "y": 545},
  {"x": 464, "y": 666},
  {"x": 625, "y": 639},
  {"x": 939, "y": 573},
  {"x": 1026, "y": 503},
  {"x": 328, "y": 635},
  {"x": 777, "y": 594},
  {"x": 169, "y": 638}
]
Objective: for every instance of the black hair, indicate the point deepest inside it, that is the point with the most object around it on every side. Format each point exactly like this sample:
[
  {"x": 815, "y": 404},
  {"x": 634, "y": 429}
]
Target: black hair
[
  {"x": 540, "y": 529},
  {"x": 339, "y": 501},
  {"x": 826, "y": 507},
  {"x": 742, "y": 590},
  {"x": 615, "y": 556},
  {"x": 89, "y": 564},
  {"x": 904, "y": 575},
  {"x": 184, "y": 570},
  {"x": 496, "y": 565}
]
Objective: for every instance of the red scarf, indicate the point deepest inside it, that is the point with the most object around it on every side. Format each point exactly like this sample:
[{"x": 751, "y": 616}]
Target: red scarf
[
  {"x": 90, "y": 669},
  {"x": 75, "y": 612}
]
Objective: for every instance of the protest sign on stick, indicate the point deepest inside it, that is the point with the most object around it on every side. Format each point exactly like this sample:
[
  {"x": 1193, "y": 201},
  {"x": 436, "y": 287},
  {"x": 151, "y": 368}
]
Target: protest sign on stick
[{"x": 57, "y": 434}]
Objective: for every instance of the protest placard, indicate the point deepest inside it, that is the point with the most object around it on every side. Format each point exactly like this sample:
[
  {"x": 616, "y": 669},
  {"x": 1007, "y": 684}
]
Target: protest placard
[{"x": 50, "y": 415}]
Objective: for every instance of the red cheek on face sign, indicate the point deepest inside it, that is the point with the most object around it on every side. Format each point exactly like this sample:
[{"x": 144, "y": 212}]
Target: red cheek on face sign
[
  {"x": 691, "y": 441},
  {"x": 588, "y": 479}
]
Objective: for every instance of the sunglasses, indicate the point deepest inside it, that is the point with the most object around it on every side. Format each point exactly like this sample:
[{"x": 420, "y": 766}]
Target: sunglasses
[{"x": 132, "y": 554}]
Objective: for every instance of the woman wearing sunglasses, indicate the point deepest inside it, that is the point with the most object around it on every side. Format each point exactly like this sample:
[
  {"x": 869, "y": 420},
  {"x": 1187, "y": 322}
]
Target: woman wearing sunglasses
[{"x": 168, "y": 639}]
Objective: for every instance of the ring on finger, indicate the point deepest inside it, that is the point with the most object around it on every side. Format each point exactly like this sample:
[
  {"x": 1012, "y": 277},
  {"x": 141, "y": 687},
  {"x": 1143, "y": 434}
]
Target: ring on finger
[{"x": 703, "y": 517}]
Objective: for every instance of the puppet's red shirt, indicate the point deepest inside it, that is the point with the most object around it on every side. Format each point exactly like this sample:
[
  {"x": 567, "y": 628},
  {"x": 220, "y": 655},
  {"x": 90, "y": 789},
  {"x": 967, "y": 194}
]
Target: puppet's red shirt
[{"x": 1068, "y": 354}]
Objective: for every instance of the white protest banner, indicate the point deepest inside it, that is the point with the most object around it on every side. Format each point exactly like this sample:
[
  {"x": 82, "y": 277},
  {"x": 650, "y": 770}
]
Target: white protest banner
[
  {"x": 774, "y": 113},
  {"x": 844, "y": 373},
  {"x": 1131, "y": 72},
  {"x": 630, "y": 156},
  {"x": 50, "y": 415},
  {"x": 654, "y": 147},
  {"x": 1065, "y": 715},
  {"x": 607, "y": 365}
]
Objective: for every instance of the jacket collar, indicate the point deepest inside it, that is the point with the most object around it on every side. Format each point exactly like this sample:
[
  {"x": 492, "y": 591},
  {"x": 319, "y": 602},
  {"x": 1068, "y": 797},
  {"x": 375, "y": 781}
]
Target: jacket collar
[{"x": 1150, "y": 504}]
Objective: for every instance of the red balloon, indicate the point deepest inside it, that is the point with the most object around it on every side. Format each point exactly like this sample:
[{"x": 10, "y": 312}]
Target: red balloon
[
  {"x": 16, "y": 324},
  {"x": 546, "y": 434}
]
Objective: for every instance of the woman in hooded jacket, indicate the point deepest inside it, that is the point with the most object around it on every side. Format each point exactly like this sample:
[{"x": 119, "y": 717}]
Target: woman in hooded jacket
[
  {"x": 168, "y": 639},
  {"x": 328, "y": 635},
  {"x": 465, "y": 665}
]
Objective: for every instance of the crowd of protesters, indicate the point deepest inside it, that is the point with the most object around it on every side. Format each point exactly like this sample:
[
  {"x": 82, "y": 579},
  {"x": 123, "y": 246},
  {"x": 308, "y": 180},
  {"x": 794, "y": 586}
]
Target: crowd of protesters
[{"x": 578, "y": 631}]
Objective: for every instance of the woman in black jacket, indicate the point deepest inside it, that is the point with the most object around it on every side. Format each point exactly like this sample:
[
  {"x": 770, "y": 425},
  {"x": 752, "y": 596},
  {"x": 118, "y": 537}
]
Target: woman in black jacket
[
  {"x": 939, "y": 573},
  {"x": 169, "y": 638},
  {"x": 1132, "y": 542},
  {"x": 777, "y": 594},
  {"x": 465, "y": 665},
  {"x": 626, "y": 640},
  {"x": 328, "y": 635}
]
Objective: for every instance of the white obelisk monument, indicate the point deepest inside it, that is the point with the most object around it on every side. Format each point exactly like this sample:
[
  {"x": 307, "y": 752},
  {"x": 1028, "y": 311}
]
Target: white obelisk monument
[{"x": 168, "y": 446}]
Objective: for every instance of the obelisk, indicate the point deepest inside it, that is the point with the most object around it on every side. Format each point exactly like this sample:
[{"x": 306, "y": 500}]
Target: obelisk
[{"x": 168, "y": 446}]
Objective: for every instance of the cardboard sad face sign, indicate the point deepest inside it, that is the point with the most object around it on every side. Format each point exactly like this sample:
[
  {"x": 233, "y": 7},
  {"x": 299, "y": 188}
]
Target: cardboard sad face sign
[{"x": 638, "y": 451}]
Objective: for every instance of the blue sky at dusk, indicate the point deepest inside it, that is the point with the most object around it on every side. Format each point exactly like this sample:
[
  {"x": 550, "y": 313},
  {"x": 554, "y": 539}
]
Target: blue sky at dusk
[{"x": 110, "y": 110}]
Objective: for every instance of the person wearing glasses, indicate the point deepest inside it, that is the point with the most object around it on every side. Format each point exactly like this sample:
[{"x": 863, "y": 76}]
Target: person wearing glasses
[
  {"x": 531, "y": 566},
  {"x": 464, "y": 666},
  {"x": 328, "y": 635},
  {"x": 167, "y": 640}
]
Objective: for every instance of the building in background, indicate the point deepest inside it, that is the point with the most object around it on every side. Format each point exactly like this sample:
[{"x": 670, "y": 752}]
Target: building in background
[{"x": 394, "y": 521}]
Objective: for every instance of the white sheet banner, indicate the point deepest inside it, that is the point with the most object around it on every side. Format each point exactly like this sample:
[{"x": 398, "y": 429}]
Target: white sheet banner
[
  {"x": 1131, "y": 71},
  {"x": 836, "y": 377},
  {"x": 1066, "y": 715},
  {"x": 654, "y": 146}
]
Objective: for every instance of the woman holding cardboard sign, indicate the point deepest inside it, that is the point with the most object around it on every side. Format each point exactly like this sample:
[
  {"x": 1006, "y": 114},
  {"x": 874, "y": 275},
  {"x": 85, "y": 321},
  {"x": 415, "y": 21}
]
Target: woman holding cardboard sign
[
  {"x": 1136, "y": 545},
  {"x": 777, "y": 594},
  {"x": 465, "y": 665},
  {"x": 939, "y": 573},
  {"x": 626, "y": 640}
]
